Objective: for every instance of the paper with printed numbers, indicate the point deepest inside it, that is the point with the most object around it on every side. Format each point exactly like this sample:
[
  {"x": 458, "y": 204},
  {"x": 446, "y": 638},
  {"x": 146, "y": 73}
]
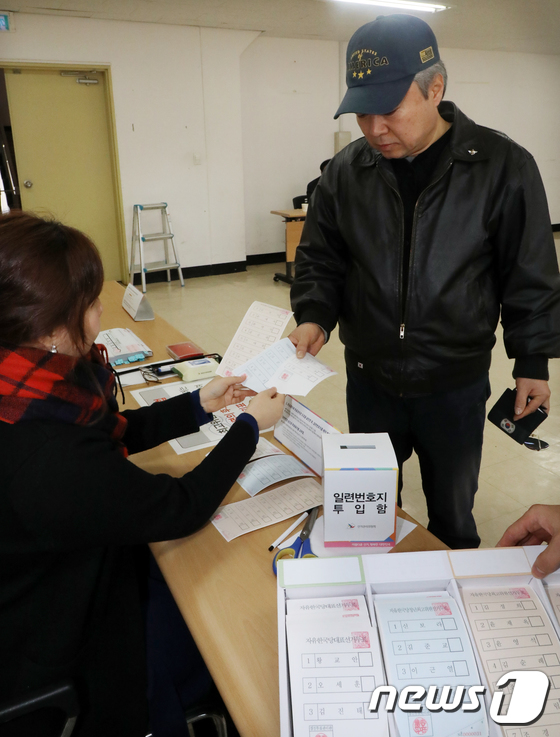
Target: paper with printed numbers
[
  {"x": 335, "y": 665},
  {"x": 425, "y": 643},
  {"x": 554, "y": 596},
  {"x": 512, "y": 631},
  {"x": 261, "y": 327},
  {"x": 259, "y": 474},
  {"x": 265, "y": 448},
  {"x": 238, "y": 518},
  {"x": 278, "y": 366}
]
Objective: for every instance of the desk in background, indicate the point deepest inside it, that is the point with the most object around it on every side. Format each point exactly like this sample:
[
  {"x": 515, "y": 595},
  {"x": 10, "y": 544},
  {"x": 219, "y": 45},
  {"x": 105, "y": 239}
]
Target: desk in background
[
  {"x": 294, "y": 220},
  {"x": 226, "y": 591}
]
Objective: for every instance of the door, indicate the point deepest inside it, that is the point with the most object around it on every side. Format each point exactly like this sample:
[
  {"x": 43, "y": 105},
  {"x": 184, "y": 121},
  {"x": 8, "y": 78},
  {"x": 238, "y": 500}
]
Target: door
[{"x": 65, "y": 157}]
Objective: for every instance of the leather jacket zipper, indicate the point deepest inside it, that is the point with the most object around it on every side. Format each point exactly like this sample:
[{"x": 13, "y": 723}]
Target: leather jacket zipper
[
  {"x": 404, "y": 312},
  {"x": 404, "y": 300}
]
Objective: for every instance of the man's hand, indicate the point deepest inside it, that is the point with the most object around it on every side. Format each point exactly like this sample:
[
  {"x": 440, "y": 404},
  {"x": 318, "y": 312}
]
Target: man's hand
[
  {"x": 307, "y": 338},
  {"x": 534, "y": 389},
  {"x": 540, "y": 523},
  {"x": 223, "y": 390}
]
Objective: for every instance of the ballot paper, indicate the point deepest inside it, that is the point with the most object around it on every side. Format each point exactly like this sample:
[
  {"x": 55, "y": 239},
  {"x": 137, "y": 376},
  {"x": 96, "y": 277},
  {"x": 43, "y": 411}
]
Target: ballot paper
[
  {"x": 512, "y": 632},
  {"x": 278, "y": 366},
  {"x": 209, "y": 434},
  {"x": 259, "y": 474},
  {"x": 554, "y": 596},
  {"x": 262, "y": 326},
  {"x": 335, "y": 664},
  {"x": 238, "y": 518},
  {"x": 265, "y": 448},
  {"x": 425, "y": 643},
  {"x": 339, "y": 608}
]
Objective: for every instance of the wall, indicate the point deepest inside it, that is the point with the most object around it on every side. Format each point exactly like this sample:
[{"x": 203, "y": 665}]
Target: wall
[
  {"x": 228, "y": 125},
  {"x": 513, "y": 93},
  {"x": 516, "y": 94},
  {"x": 289, "y": 94},
  {"x": 174, "y": 87}
]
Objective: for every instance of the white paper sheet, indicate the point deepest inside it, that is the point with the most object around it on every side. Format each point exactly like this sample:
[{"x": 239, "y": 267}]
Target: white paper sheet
[
  {"x": 554, "y": 596},
  {"x": 339, "y": 608},
  {"x": 259, "y": 474},
  {"x": 305, "y": 572},
  {"x": 278, "y": 366},
  {"x": 262, "y": 326},
  {"x": 209, "y": 434},
  {"x": 301, "y": 431},
  {"x": 512, "y": 631},
  {"x": 266, "y": 448},
  {"x": 335, "y": 664},
  {"x": 425, "y": 643},
  {"x": 233, "y": 520},
  {"x": 122, "y": 343}
]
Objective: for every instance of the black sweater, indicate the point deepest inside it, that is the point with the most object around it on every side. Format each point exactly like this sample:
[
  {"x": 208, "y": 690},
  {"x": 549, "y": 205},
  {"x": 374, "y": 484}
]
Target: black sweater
[{"x": 72, "y": 508}]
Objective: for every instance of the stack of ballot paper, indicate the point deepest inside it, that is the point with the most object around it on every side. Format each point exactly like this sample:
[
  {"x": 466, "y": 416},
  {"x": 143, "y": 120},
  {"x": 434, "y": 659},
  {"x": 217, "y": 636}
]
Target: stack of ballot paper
[
  {"x": 458, "y": 630},
  {"x": 335, "y": 664},
  {"x": 425, "y": 643}
]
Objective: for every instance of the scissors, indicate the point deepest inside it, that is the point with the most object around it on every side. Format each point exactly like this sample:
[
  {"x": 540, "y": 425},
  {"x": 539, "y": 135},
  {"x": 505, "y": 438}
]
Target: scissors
[{"x": 301, "y": 547}]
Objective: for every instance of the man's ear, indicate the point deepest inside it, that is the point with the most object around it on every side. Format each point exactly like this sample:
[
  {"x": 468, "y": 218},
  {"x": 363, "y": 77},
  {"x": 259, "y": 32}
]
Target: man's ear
[{"x": 437, "y": 88}]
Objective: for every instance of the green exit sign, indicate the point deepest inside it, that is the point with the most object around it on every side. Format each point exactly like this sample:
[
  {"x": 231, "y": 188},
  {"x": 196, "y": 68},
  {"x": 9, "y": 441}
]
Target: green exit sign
[{"x": 7, "y": 21}]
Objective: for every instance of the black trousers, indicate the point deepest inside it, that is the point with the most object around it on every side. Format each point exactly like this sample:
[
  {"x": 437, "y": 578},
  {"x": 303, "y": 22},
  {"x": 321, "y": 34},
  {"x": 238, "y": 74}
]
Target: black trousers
[
  {"x": 177, "y": 674},
  {"x": 446, "y": 431}
]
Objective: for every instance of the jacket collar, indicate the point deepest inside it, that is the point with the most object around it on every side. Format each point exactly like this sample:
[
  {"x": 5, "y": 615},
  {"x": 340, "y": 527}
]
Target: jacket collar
[{"x": 466, "y": 140}]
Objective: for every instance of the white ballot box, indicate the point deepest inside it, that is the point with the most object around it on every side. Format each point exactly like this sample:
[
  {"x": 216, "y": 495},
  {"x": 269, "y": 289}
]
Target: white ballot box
[{"x": 360, "y": 476}]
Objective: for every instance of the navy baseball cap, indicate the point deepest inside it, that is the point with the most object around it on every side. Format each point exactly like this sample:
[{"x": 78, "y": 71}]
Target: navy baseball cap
[{"x": 382, "y": 59}]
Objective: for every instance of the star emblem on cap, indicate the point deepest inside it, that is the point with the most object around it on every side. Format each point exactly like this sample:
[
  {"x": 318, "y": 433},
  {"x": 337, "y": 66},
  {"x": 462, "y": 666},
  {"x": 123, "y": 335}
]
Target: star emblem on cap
[
  {"x": 472, "y": 151},
  {"x": 361, "y": 75}
]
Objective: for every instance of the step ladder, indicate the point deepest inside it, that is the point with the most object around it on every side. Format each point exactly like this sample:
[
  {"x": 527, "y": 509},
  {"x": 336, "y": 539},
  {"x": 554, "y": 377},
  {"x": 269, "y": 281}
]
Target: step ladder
[{"x": 139, "y": 238}]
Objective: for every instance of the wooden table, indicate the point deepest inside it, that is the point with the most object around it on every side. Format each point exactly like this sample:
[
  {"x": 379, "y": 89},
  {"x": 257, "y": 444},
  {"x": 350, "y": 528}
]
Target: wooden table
[
  {"x": 294, "y": 220},
  {"x": 225, "y": 591}
]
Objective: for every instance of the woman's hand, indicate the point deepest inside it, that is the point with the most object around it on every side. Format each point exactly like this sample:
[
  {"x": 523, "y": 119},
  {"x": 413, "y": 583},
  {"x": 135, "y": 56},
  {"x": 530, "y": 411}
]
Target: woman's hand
[
  {"x": 267, "y": 408},
  {"x": 223, "y": 390}
]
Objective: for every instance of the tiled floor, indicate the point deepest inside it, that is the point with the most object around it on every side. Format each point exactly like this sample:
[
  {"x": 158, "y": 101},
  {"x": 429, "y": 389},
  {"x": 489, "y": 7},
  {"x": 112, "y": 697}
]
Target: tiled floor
[{"x": 208, "y": 310}]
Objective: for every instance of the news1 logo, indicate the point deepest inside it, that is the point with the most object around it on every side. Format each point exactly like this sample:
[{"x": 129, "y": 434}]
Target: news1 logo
[{"x": 525, "y": 707}]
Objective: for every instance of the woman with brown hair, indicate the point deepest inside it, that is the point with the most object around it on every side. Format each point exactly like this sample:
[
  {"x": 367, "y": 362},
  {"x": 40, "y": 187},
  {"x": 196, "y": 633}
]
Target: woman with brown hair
[{"x": 72, "y": 507}]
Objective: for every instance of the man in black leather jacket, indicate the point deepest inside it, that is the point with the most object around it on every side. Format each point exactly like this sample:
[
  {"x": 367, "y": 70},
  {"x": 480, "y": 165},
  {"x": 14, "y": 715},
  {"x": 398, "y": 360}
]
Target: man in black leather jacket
[{"x": 416, "y": 237}]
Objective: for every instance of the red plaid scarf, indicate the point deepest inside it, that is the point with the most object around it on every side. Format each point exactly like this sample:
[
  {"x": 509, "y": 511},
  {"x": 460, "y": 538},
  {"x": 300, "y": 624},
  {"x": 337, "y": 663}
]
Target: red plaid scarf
[{"x": 39, "y": 385}]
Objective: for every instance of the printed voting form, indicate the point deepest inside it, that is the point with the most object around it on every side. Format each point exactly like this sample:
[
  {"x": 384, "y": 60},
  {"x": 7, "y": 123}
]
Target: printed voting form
[
  {"x": 259, "y": 474},
  {"x": 335, "y": 665},
  {"x": 425, "y": 643},
  {"x": 265, "y": 448},
  {"x": 512, "y": 631},
  {"x": 262, "y": 326},
  {"x": 238, "y": 518},
  {"x": 554, "y": 596},
  {"x": 278, "y": 366}
]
